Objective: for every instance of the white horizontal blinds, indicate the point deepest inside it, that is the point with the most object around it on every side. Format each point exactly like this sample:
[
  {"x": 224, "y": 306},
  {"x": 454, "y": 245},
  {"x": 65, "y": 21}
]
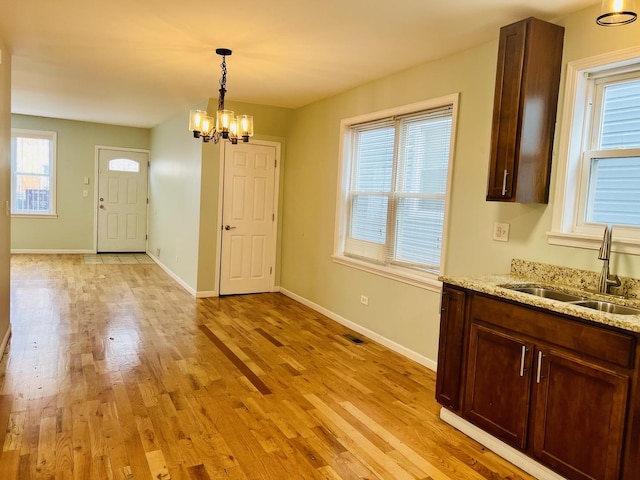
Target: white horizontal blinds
[
  {"x": 32, "y": 165},
  {"x": 614, "y": 191},
  {"x": 621, "y": 116},
  {"x": 372, "y": 179},
  {"x": 614, "y": 177},
  {"x": 399, "y": 176}
]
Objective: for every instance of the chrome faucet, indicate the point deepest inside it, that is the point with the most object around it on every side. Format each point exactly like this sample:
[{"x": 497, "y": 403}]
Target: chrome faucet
[{"x": 606, "y": 281}]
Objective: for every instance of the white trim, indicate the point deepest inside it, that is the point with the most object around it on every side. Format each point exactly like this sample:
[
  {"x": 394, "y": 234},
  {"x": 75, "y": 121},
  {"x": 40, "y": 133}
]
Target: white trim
[
  {"x": 593, "y": 242},
  {"x": 396, "y": 347},
  {"x": 276, "y": 209},
  {"x": 51, "y": 251},
  {"x": 514, "y": 456},
  {"x": 5, "y": 341},
  {"x": 206, "y": 294},
  {"x": 35, "y": 215},
  {"x": 175, "y": 277},
  {"x": 96, "y": 180},
  {"x": 404, "y": 275}
]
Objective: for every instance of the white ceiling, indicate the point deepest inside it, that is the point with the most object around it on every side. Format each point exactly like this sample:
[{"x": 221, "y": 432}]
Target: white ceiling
[{"x": 139, "y": 62}]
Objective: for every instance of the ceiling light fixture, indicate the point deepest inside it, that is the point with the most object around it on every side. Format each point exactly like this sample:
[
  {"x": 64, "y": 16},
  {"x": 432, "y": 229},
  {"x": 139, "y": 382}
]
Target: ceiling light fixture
[
  {"x": 617, "y": 12},
  {"x": 224, "y": 125}
]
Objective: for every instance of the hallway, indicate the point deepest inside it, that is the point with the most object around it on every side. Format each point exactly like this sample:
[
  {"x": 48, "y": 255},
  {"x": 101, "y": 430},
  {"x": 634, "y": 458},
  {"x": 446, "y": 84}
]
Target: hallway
[{"x": 113, "y": 371}]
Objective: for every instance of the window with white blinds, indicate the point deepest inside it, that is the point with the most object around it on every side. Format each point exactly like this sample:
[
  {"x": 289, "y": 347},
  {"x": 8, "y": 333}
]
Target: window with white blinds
[
  {"x": 599, "y": 162},
  {"x": 611, "y": 179},
  {"x": 397, "y": 171}
]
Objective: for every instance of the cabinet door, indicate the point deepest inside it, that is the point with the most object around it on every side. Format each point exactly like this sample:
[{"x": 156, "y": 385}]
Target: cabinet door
[
  {"x": 450, "y": 348},
  {"x": 498, "y": 384},
  {"x": 506, "y": 112},
  {"x": 579, "y": 415}
]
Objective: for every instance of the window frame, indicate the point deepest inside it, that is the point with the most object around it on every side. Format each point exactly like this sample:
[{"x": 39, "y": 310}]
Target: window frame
[
  {"x": 577, "y": 148},
  {"x": 42, "y": 134},
  {"x": 396, "y": 271}
]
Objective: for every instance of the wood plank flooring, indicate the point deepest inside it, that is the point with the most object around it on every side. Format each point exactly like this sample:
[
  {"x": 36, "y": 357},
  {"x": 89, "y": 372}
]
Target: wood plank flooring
[{"x": 115, "y": 372}]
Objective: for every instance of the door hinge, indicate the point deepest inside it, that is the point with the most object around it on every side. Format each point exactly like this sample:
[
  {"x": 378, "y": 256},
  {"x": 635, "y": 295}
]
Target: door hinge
[
  {"x": 275, "y": 162},
  {"x": 147, "y": 201},
  {"x": 146, "y": 237},
  {"x": 273, "y": 217},
  {"x": 270, "y": 270}
]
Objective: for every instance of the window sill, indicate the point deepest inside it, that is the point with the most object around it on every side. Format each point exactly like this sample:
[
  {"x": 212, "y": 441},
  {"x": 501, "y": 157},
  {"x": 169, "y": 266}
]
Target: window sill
[
  {"x": 34, "y": 215},
  {"x": 426, "y": 281},
  {"x": 630, "y": 246}
]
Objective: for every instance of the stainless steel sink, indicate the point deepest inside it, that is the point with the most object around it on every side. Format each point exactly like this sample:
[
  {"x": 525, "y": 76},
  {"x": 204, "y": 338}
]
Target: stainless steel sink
[
  {"x": 608, "y": 307},
  {"x": 547, "y": 293},
  {"x": 574, "y": 299}
]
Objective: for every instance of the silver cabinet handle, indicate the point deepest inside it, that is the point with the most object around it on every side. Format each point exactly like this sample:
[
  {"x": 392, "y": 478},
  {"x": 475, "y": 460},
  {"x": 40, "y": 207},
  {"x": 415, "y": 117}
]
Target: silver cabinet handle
[
  {"x": 228, "y": 227},
  {"x": 504, "y": 182},
  {"x": 524, "y": 353},
  {"x": 539, "y": 376}
]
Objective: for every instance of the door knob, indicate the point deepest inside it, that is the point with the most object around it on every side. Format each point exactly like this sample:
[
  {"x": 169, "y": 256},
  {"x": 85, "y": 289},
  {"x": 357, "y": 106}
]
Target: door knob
[
  {"x": 101, "y": 199},
  {"x": 102, "y": 207},
  {"x": 228, "y": 227}
]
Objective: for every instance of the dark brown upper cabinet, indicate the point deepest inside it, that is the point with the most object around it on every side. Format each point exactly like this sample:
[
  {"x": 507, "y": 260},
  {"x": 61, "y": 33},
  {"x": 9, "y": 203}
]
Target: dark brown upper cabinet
[{"x": 524, "y": 111}]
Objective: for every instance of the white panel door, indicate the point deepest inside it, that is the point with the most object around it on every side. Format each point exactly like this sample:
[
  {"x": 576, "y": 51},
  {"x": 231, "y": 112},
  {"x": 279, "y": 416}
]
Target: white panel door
[
  {"x": 122, "y": 200},
  {"x": 248, "y": 235}
]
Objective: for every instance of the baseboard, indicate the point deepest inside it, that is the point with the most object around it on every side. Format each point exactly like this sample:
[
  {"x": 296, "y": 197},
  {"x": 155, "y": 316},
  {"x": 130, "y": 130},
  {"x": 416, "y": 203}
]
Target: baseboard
[
  {"x": 396, "y": 347},
  {"x": 206, "y": 294},
  {"x": 5, "y": 341},
  {"x": 519, "y": 459},
  {"x": 169, "y": 272},
  {"x": 46, "y": 251}
]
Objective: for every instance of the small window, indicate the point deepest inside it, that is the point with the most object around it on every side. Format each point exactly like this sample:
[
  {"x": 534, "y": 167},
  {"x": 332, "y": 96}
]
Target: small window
[
  {"x": 599, "y": 174},
  {"x": 33, "y": 166},
  {"x": 395, "y": 183},
  {"x": 124, "y": 165}
]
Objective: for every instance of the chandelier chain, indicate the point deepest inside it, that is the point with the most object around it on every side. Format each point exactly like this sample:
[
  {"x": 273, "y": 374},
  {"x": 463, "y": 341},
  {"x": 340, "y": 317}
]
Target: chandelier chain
[{"x": 223, "y": 83}]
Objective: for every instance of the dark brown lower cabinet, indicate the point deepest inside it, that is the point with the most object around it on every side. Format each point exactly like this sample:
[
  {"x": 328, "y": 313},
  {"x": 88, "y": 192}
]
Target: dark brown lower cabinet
[
  {"x": 560, "y": 389},
  {"x": 451, "y": 348},
  {"x": 579, "y": 414},
  {"x": 498, "y": 384}
]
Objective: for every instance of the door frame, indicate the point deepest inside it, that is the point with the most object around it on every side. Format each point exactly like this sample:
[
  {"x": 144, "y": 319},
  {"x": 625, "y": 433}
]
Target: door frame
[
  {"x": 276, "y": 205},
  {"x": 96, "y": 184}
]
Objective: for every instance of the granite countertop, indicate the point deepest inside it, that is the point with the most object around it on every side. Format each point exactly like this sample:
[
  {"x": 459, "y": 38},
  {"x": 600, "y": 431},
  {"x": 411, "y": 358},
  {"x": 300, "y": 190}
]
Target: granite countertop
[{"x": 561, "y": 279}]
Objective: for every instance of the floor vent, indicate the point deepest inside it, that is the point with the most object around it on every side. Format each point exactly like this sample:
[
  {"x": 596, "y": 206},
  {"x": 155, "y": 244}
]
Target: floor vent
[{"x": 353, "y": 339}]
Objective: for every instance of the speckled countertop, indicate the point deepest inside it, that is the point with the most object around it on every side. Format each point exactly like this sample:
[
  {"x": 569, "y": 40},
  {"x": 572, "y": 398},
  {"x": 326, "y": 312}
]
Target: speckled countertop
[{"x": 563, "y": 279}]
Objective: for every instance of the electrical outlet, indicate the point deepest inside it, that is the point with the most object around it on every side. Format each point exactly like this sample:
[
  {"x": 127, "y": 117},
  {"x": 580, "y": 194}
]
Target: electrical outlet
[
  {"x": 364, "y": 300},
  {"x": 157, "y": 252},
  {"x": 501, "y": 232}
]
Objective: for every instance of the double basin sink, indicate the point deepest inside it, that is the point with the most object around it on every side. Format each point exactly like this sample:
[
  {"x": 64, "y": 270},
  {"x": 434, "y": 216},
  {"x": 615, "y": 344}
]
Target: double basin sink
[{"x": 573, "y": 299}]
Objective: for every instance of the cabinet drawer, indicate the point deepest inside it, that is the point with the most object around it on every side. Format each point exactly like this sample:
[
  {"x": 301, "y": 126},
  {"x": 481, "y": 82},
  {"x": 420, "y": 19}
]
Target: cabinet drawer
[{"x": 586, "y": 339}]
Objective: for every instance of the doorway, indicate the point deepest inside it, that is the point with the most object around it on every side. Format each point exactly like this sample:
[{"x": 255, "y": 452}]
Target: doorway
[
  {"x": 248, "y": 217},
  {"x": 122, "y": 199}
]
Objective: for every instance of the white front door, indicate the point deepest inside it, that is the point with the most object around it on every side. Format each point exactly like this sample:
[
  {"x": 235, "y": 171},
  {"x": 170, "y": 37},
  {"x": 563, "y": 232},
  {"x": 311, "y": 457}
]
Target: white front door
[
  {"x": 122, "y": 200},
  {"x": 248, "y": 219}
]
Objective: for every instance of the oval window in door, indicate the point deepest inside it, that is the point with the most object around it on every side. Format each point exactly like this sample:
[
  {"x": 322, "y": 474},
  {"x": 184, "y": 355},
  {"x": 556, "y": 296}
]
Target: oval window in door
[{"x": 124, "y": 165}]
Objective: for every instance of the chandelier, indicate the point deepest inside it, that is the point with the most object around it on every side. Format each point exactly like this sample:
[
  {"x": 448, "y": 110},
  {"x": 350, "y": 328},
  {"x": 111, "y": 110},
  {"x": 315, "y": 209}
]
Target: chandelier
[
  {"x": 617, "y": 12},
  {"x": 225, "y": 125}
]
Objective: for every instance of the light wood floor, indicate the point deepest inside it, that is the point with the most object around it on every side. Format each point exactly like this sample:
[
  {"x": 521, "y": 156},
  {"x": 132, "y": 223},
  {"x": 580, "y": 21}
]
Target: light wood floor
[{"x": 115, "y": 372}]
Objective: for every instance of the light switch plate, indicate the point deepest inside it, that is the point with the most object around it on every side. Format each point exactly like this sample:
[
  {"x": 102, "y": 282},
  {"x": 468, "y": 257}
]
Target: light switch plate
[{"x": 501, "y": 232}]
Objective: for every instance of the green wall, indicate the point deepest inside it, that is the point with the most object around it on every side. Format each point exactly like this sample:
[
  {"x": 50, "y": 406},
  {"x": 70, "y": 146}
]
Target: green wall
[
  {"x": 5, "y": 190},
  {"x": 73, "y": 229},
  {"x": 405, "y": 315}
]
